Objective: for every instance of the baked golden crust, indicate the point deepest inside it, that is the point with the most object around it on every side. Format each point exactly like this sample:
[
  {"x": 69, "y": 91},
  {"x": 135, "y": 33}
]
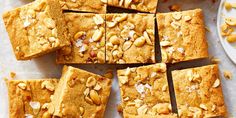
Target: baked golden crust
[
  {"x": 36, "y": 29},
  {"x": 29, "y": 97},
  {"x": 198, "y": 92},
  {"x": 96, "y": 6},
  {"x": 130, "y": 38},
  {"x": 80, "y": 94},
  {"x": 87, "y": 35},
  {"x": 182, "y": 36},
  {"x": 140, "y": 5},
  {"x": 145, "y": 91}
]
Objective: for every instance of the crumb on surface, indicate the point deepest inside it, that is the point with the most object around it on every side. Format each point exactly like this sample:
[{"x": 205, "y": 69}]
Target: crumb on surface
[
  {"x": 215, "y": 60},
  {"x": 119, "y": 108},
  {"x": 175, "y": 7},
  {"x": 228, "y": 74},
  {"x": 109, "y": 74},
  {"x": 12, "y": 74}
]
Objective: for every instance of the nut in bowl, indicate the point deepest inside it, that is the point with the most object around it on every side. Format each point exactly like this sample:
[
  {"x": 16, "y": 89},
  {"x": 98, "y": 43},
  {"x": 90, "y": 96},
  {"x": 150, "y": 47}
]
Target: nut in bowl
[{"x": 226, "y": 25}]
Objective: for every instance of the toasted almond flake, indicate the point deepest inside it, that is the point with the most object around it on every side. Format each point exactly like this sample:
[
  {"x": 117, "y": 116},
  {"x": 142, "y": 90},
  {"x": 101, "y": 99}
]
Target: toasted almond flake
[
  {"x": 104, "y": 1},
  {"x": 35, "y": 105},
  {"x": 127, "y": 45},
  {"x": 97, "y": 87},
  {"x": 83, "y": 48},
  {"x": 175, "y": 25},
  {"x": 213, "y": 107},
  {"x": 153, "y": 74},
  {"x": 95, "y": 97},
  {"x": 121, "y": 18},
  {"x": 127, "y": 71},
  {"x": 177, "y": 16},
  {"x": 216, "y": 83},
  {"x": 203, "y": 106},
  {"x": 126, "y": 98},
  {"x": 86, "y": 92},
  {"x": 127, "y": 3},
  {"x": 187, "y": 18},
  {"x": 165, "y": 43},
  {"x": 22, "y": 85},
  {"x": 147, "y": 38},
  {"x": 140, "y": 41},
  {"x": 111, "y": 24},
  {"x": 97, "y": 35},
  {"x": 28, "y": 116},
  {"x": 50, "y": 23},
  {"x": 45, "y": 106},
  {"x": 81, "y": 109},
  {"x": 98, "y": 19},
  {"x": 48, "y": 85},
  {"x": 164, "y": 88},
  {"x": 181, "y": 50},
  {"x": 142, "y": 110},
  {"x": 123, "y": 79},
  {"x": 91, "y": 82},
  {"x": 215, "y": 60},
  {"x": 26, "y": 23}
]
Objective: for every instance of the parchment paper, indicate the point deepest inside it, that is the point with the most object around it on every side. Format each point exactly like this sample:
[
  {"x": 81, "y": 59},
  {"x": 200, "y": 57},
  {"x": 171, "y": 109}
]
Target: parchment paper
[{"x": 45, "y": 66}]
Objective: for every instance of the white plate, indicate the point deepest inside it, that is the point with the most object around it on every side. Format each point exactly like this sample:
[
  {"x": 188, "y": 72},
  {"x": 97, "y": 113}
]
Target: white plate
[{"x": 222, "y": 13}]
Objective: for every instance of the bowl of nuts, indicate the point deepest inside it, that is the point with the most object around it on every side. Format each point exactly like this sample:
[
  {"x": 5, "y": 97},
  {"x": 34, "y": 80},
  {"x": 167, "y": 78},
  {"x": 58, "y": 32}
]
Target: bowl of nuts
[{"x": 226, "y": 25}]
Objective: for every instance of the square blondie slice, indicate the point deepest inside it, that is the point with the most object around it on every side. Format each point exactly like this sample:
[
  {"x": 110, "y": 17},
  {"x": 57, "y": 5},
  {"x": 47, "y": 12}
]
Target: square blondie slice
[
  {"x": 198, "y": 92},
  {"x": 95, "y": 6},
  {"x": 30, "y": 98},
  {"x": 145, "y": 92},
  {"x": 182, "y": 36},
  {"x": 36, "y": 29},
  {"x": 87, "y": 32},
  {"x": 80, "y": 94},
  {"x": 139, "y": 5},
  {"x": 130, "y": 38}
]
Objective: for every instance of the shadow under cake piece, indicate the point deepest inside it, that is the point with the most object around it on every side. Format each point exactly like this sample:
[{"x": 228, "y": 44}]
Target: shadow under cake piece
[
  {"x": 198, "y": 92},
  {"x": 30, "y": 98},
  {"x": 95, "y": 6},
  {"x": 36, "y": 29},
  {"x": 80, "y": 94},
  {"x": 139, "y": 5},
  {"x": 130, "y": 38},
  {"x": 87, "y": 35},
  {"x": 182, "y": 36},
  {"x": 145, "y": 92}
]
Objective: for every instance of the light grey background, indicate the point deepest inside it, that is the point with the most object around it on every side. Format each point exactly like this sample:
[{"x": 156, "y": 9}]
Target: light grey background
[{"x": 45, "y": 66}]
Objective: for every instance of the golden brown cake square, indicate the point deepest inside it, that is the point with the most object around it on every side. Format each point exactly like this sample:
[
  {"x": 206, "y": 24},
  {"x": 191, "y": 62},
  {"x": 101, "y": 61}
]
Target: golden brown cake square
[
  {"x": 182, "y": 36},
  {"x": 87, "y": 35},
  {"x": 198, "y": 92},
  {"x": 36, "y": 29}
]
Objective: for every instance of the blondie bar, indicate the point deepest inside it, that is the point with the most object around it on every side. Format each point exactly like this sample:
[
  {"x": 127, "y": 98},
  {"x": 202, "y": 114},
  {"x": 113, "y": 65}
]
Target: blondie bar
[
  {"x": 36, "y": 29},
  {"x": 30, "y": 98},
  {"x": 87, "y": 32},
  {"x": 140, "y": 5},
  {"x": 130, "y": 38},
  {"x": 199, "y": 92},
  {"x": 182, "y": 36},
  {"x": 80, "y": 94},
  {"x": 96, "y": 6},
  {"x": 145, "y": 92}
]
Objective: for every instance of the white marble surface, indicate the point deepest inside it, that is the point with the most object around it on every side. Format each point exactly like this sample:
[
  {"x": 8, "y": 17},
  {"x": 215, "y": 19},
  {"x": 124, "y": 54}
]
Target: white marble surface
[{"x": 46, "y": 67}]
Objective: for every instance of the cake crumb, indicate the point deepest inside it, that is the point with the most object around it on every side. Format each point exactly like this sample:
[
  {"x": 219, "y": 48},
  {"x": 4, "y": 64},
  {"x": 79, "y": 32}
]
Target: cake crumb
[
  {"x": 119, "y": 108},
  {"x": 228, "y": 75},
  {"x": 215, "y": 60},
  {"x": 175, "y": 7},
  {"x": 109, "y": 74},
  {"x": 12, "y": 74}
]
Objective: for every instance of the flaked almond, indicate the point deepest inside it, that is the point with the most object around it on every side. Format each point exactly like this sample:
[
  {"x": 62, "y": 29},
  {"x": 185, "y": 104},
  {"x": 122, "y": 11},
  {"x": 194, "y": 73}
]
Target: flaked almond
[
  {"x": 35, "y": 106},
  {"x": 142, "y": 110},
  {"x": 111, "y": 24},
  {"x": 81, "y": 109},
  {"x": 122, "y": 17},
  {"x": 86, "y": 92},
  {"x": 50, "y": 23},
  {"x": 175, "y": 25},
  {"x": 230, "y": 21},
  {"x": 91, "y": 82},
  {"x": 98, "y": 19},
  {"x": 162, "y": 108},
  {"x": 48, "y": 85},
  {"x": 95, "y": 97},
  {"x": 88, "y": 100},
  {"x": 127, "y": 45},
  {"x": 164, "y": 88},
  {"x": 45, "y": 106},
  {"x": 79, "y": 34},
  {"x": 177, "y": 16},
  {"x": 114, "y": 40},
  {"x": 127, "y": 71},
  {"x": 97, "y": 35},
  {"x": 228, "y": 74},
  {"x": 101, "y": 56},
  {"x": 22, "y": 85},
  {"x": 203, "y": 106},
  {"x": 147, "y": 38},
  {"x": 127, "y": 3},
  {"x": 140, "y": 41},
  {"x": 97, "y": 87},
  {"x": 123, "y": 79},
  {"x": 104, "y": 1},
  {"x": 165, "y": 43},
  {"x": 164, "y": 56},
  {"x": 187, "y": 18},
  {"x": 216, "y": 83}
]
